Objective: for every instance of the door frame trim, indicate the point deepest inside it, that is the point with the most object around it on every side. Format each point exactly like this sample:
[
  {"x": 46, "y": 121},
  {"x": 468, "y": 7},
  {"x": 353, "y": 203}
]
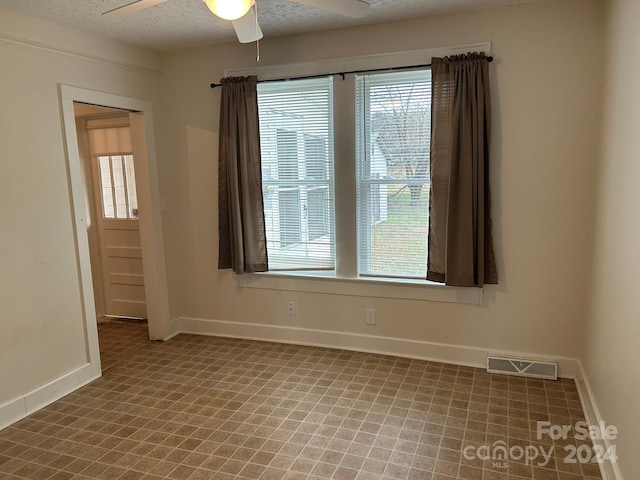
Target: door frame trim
[{"x": 151, "y": 237}]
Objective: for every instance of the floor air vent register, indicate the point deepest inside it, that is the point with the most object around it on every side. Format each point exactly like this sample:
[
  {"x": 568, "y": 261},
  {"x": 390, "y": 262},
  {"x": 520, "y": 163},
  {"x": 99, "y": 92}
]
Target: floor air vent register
[{"x": 522, "y": 367}]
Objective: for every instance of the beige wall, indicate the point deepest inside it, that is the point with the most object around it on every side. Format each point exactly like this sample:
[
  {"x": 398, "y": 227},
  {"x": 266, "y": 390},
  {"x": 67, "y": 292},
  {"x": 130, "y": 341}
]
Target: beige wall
[
  {"x": 546, "y": 97},
  {"x": 547, "y": 92},
  {"x": 610, "y": 355},
  {"x": 42, "y": 329}
]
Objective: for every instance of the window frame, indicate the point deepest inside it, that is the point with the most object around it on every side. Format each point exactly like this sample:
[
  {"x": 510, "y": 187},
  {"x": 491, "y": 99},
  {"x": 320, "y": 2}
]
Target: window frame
[{"x": 344, "y": 280}]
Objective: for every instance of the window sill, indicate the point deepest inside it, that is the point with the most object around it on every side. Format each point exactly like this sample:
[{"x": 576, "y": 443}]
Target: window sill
[{"x": 326, "y": 282}]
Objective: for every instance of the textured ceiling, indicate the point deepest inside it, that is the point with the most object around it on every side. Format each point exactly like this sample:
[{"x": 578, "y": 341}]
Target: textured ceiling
[{"x": 183, "y": 23}]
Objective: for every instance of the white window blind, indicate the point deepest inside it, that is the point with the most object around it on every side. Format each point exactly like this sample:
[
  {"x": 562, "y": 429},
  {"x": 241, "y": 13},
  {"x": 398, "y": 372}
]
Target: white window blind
[
  {"x": 118, "y": 183},
  {"x": 393, "y": 124},
  {"x": 296, "y": 142},
  {"x": 111, "y": 149}
]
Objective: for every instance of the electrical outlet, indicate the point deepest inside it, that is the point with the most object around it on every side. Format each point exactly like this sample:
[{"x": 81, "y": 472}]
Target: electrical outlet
[
  {"x": 291, "y": 309},
  {"x": 370, "y": 316}
]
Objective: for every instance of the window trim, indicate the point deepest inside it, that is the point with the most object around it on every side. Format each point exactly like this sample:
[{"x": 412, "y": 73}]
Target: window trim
[
  {"x": 344, "y": 280},
  {"x": 363, "y": 62},
  {"x": 378, "y": 287}
]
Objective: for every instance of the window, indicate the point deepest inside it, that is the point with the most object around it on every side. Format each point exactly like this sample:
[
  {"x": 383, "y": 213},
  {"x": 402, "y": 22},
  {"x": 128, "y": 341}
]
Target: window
[
  {"x": 297, "y": 173},
  {"x": 111, "y": 150},
  {"x": 389, "y": 197},
  {"x": 118, "y": 182},
  {"x": 393, "y": 133}
]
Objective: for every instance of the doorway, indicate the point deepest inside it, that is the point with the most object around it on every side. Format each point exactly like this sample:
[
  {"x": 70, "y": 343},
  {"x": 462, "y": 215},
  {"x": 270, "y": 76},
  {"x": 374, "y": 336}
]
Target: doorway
[
  {"x": 129, "y": 270},
  {"x": 106, "y": 156}
]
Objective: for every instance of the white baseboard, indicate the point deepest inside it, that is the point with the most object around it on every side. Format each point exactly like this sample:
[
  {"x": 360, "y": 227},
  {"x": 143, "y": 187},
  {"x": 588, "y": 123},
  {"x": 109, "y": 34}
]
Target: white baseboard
[
  {"x": 609, "y": 470},
  {"x": 440, "y": 352},
  {"x": 174, "y": 329},
  {"x": 33, "y": 401}
]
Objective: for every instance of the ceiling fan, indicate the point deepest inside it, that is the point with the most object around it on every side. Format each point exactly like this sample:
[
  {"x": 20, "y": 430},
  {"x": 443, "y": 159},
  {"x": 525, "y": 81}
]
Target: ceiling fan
[{"x": 242, "y": 13}]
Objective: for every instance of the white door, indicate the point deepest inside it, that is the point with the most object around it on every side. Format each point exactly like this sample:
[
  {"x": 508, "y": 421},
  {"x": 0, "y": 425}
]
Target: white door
[{"x": 114, "y": 182}]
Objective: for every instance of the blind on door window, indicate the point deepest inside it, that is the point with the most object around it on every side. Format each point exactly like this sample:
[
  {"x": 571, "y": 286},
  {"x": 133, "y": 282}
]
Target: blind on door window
[
  {"x": 296, "y": 144},
  {"x": 110, "y": 141},
  {"x": 118, "y": 185},
  {"x": 111, "y": 149},
  {"x": 393, "y": 124}
]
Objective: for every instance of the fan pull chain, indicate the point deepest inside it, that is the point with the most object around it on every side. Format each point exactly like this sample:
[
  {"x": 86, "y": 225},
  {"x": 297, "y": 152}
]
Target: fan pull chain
[{"x": 255, "y": 6}]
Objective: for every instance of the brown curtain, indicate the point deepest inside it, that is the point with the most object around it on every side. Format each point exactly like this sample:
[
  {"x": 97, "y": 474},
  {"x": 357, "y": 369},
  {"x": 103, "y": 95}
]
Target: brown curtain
[
  {"x": 460, "y": 241},
  {"x": 241, "y": 229}
]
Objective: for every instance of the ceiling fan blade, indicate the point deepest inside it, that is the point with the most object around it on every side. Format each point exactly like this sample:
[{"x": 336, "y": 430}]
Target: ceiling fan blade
[
  {"x": 350, "y": 8},
  {"x": 131, "y": 8},
  {"x": 247, "y": 28}
]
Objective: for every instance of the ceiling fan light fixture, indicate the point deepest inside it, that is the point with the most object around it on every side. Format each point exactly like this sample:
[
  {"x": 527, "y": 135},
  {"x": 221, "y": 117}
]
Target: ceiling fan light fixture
[{"x": 229, "y": 9}]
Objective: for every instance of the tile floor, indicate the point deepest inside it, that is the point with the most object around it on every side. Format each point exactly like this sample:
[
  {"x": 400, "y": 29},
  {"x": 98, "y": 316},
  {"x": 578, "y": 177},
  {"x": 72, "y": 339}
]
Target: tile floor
[{"x": 213, "y": 408}]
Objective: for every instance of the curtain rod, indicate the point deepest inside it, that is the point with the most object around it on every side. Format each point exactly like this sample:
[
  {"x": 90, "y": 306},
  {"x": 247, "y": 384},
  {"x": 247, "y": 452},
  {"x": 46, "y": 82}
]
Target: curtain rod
[{"x": 343, "y": 74}]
